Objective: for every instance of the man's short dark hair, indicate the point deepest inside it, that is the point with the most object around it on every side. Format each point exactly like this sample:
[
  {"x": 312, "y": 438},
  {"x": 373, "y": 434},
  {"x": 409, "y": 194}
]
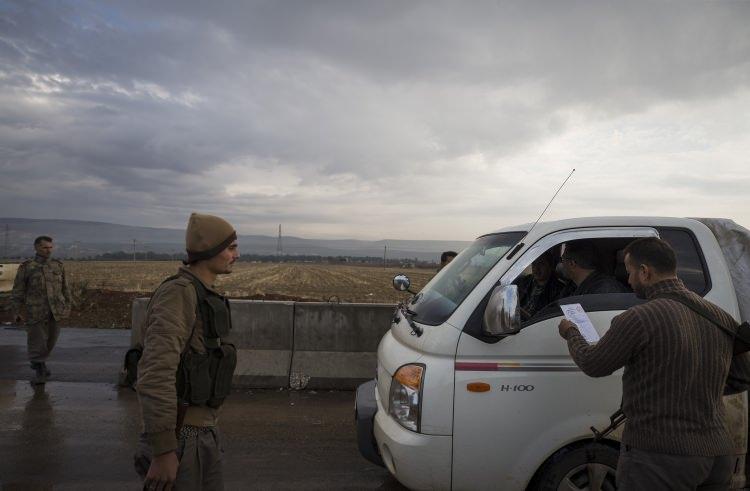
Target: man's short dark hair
[
  {"x": 582, "y": 252},
  {"x": 444, "y": 256},
  {"x": 653, "y": 252},
  {"x": 42, "y": 238}
]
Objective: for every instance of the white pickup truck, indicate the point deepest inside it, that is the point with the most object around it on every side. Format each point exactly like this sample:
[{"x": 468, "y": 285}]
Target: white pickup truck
[{"x": 456, "y": 406}]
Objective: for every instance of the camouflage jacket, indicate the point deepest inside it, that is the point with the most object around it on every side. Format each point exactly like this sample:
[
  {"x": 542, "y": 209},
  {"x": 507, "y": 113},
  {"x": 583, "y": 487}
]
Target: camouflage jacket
[{"x": 40, "y": 286}]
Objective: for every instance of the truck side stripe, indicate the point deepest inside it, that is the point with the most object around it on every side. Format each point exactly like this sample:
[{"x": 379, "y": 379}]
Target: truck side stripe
[{"x": 469, "y": 366}]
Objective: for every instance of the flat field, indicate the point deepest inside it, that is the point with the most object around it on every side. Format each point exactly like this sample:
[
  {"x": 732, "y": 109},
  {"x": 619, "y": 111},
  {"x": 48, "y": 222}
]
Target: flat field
[{"x": 298, "y": 281}]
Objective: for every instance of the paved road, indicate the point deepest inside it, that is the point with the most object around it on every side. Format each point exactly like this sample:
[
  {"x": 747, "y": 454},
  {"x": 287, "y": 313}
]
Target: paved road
[{"x": 79, "y": 430}]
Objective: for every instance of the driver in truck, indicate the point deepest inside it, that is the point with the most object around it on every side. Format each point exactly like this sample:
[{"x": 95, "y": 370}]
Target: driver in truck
[{"x": 540, "y": 287}]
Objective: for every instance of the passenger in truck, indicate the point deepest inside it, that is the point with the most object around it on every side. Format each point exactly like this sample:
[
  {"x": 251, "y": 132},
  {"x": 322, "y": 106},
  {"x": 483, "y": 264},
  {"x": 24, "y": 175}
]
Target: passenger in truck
[{"x": 578, "y": 264}]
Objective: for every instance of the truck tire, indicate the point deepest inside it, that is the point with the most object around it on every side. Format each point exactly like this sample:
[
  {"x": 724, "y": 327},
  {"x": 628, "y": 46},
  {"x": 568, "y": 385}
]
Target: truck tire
[{"x": 591, "y": 467}]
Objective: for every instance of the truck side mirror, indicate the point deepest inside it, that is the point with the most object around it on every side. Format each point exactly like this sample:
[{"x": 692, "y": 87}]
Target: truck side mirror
[
  {"x": 401, "y": 283},
  {"x": 502, "y": 315}
]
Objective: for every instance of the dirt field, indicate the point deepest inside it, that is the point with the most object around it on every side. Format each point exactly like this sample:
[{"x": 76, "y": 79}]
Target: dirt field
[
  {"x": 104, "y": 291},
  {"x": 299, "y": 281}
]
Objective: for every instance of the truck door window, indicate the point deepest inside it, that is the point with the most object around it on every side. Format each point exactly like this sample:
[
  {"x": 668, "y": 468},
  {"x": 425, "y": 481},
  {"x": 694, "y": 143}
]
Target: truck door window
[
  {"x": 604, "y": 288},
  {"x": 608, "y": 246},
  {"x": 691, "y": 267}
]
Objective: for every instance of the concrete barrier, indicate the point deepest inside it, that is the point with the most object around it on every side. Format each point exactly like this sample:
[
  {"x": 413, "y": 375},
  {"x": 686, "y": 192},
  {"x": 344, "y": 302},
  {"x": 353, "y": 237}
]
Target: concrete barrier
[
  {"x": 262, "y": 332},
  {"x": 335, "y": 344},
  {"x": 299, "y": 345},
  {"x": 137, "y": 316}
]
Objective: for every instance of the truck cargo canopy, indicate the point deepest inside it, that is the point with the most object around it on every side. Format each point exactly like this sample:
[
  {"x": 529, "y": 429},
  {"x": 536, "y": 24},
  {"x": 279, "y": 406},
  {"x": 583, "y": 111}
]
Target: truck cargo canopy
[{"x": 734, "y": 240}]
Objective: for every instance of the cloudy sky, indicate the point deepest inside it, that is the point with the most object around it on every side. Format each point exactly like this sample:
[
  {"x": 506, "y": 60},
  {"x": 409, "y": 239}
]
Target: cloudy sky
[{"x": 409, "y": 120}]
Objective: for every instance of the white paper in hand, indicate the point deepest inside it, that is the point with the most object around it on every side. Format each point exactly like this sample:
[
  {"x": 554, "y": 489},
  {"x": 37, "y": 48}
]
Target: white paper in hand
[{"x": 575, "y": 314}]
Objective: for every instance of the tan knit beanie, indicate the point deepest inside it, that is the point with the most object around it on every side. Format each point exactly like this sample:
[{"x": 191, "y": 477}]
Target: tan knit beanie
[{"x": 207, "y": 236}]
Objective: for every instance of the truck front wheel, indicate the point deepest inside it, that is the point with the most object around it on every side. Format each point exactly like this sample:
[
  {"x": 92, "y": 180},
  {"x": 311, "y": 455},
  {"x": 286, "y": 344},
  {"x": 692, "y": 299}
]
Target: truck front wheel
[{"x": 591, "y": 467}]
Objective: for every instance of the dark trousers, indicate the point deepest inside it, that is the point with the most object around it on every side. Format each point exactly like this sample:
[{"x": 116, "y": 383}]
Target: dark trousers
[
  {"x": 201, "y": 457},
  {"x": 41, "y": 338},
  {"x": 201, "y": 462},
  {"x": 645, "y": 470}
]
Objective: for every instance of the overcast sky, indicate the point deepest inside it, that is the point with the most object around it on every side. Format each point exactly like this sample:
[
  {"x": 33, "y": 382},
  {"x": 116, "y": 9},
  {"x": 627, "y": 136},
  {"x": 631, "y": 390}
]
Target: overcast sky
[{"x": 372, "y": 120}]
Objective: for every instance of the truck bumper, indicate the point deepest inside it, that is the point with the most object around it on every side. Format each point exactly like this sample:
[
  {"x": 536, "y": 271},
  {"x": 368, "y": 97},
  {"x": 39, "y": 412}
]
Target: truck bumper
[
  {"x": 418, "y": 461},
  {"x": 365, "y": 407}
]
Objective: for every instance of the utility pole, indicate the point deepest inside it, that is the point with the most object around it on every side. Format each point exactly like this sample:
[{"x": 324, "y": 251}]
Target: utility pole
[
  {"x": 385, "y": 255},
  {"x": 134, "y": 241},
  {"x": 6, "y": 242},
  {"x": 279, "y": 250}
]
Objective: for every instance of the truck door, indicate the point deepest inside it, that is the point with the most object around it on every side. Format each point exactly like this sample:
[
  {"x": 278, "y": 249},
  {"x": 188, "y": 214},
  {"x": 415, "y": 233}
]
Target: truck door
[{"x": 538, "y": 400}]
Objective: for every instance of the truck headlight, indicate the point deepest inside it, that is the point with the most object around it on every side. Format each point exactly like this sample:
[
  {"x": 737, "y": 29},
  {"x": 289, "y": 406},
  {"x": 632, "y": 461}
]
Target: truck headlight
[{"x": 405, "y": 397}]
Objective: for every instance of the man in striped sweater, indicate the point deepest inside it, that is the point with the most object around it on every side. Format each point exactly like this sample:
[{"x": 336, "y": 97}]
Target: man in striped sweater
[{"x": 677, "y": 365}]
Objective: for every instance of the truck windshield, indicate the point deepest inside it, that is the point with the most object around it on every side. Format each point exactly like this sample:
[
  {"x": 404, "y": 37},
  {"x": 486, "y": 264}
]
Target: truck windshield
[{"x": 445, "y": 292}]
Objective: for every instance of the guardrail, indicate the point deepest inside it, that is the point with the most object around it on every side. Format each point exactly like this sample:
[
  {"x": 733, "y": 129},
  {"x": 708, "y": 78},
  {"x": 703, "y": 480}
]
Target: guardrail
[{"x": 299, "y": 344}]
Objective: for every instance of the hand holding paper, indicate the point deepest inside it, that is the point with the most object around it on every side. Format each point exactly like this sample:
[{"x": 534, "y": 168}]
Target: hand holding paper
[{"x": 574, "y": 313}]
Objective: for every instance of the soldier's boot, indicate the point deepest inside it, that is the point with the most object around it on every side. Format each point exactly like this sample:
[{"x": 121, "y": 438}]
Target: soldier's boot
[{"x": 40, "y": 377}]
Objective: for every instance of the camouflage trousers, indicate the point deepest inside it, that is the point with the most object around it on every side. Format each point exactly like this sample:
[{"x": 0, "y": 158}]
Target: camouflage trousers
[{"x": 41, "y": 337}]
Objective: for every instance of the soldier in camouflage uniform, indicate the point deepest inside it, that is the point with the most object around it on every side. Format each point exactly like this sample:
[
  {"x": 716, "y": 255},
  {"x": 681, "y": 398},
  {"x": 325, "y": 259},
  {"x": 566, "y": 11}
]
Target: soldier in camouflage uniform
[{"x": 40, "y": 287}]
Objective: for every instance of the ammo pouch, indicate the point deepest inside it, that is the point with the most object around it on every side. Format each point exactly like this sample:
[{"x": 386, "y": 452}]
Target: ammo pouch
[{"x": 205, "y": 379}]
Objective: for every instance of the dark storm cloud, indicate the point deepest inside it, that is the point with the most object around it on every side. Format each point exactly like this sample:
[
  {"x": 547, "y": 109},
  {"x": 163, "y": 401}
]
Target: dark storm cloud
[{"x": 136, "y": 112}]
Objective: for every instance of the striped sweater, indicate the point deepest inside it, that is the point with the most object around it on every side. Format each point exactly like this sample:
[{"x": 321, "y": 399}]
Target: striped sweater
[{"x": 677, "y": 367}]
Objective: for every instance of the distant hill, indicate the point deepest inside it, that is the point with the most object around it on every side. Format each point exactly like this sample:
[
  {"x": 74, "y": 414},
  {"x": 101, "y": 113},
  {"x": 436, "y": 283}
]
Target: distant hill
[{"x": 80, "y": 239}]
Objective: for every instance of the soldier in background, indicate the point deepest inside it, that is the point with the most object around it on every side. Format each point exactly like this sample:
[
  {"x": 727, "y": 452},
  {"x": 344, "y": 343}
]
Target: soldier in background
[
  {"x": 40, "y": 287},
  {"x": 446, "y": 257}
]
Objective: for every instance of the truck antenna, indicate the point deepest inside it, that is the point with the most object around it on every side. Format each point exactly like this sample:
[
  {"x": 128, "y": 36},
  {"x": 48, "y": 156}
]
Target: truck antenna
[{"x": 550, "y": 201}]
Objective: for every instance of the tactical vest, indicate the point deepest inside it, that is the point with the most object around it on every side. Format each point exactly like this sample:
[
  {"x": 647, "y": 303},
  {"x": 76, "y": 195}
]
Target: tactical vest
[{"x": 205, "y": 379}]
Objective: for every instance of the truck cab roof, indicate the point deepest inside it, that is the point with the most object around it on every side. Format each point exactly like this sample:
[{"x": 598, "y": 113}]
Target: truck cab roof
[{"x": 544, "y": 228}]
